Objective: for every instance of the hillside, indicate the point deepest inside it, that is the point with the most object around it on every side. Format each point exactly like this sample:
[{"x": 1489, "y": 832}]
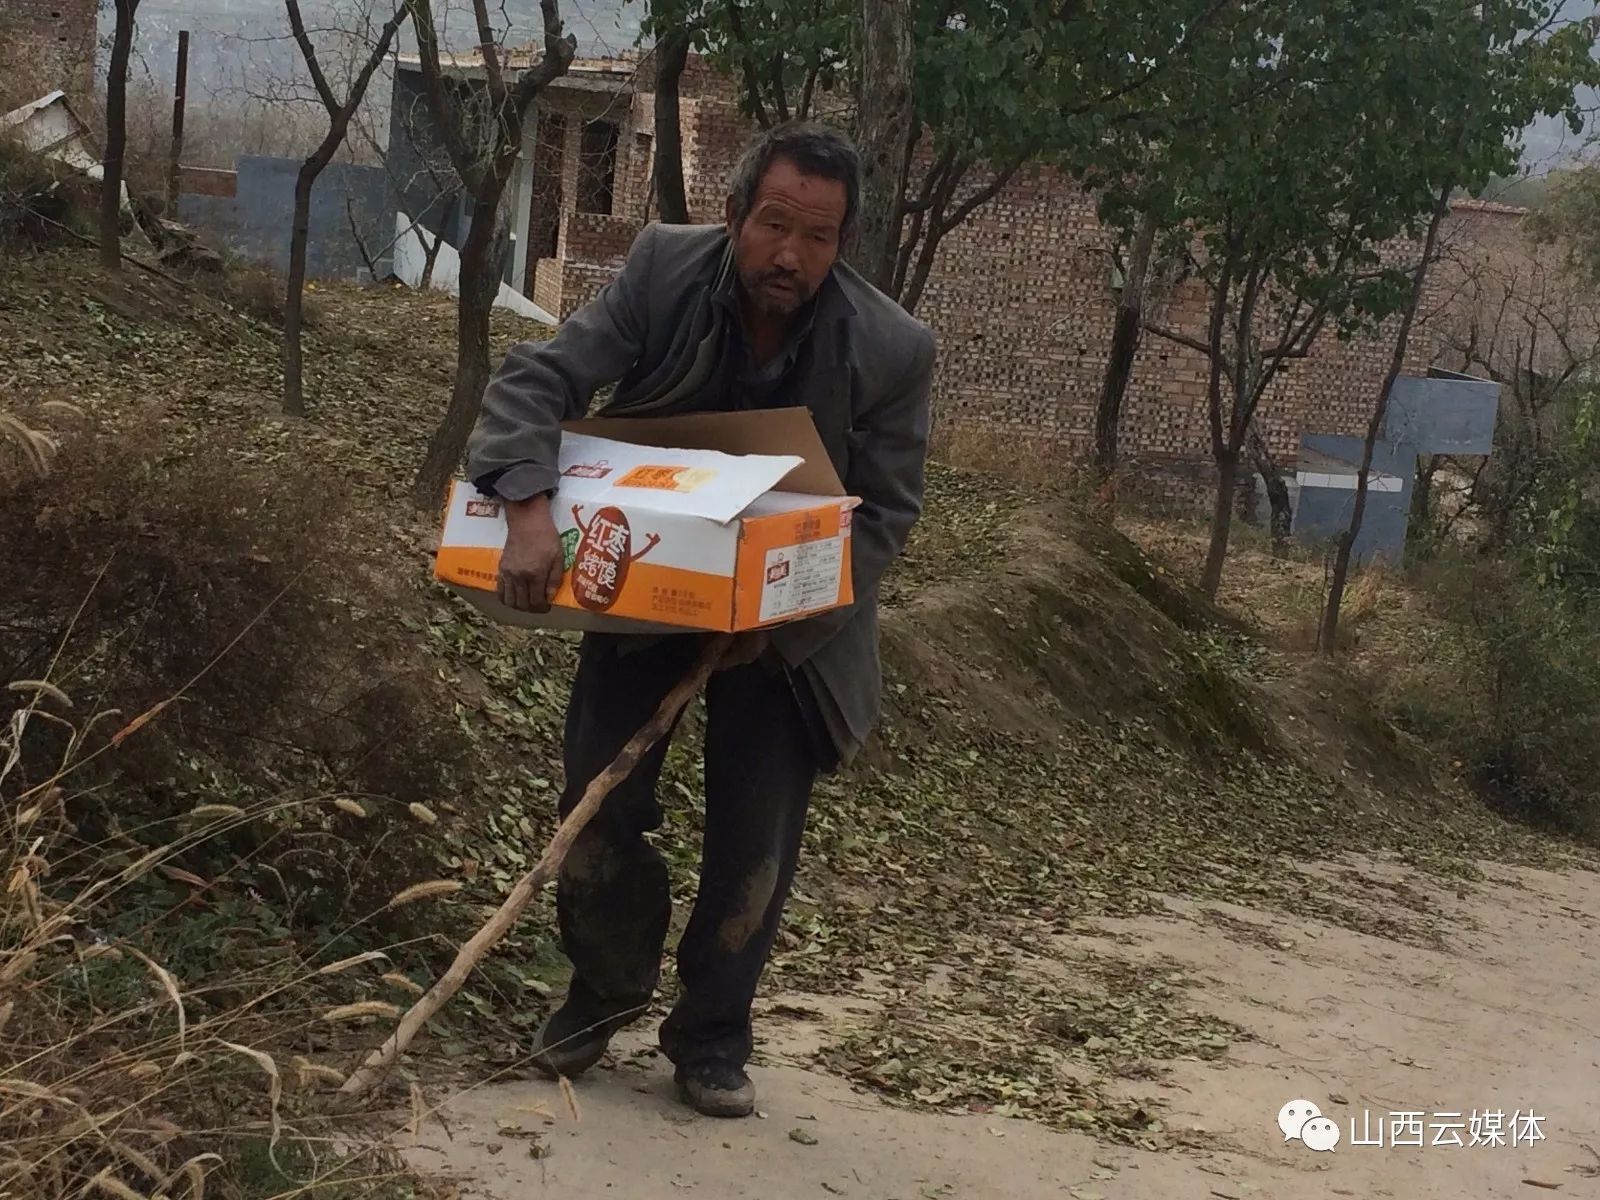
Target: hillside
[{"x": 1072, "y": 739}]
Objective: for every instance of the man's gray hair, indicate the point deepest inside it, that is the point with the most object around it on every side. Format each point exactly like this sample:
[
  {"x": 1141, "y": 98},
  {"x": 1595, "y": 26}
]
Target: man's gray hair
[{"x": 816, "y": 149}]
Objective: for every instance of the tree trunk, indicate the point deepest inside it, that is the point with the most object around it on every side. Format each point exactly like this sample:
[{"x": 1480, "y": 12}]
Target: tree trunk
[
  {"x": 883, "y": 123},
  {"x": 672, "y": 53},
  {"x": 1327, "y": 636},
  {"x": 1124, "y": 347},
  {"x": 479, "y": 282},
  {"x": 430, "y": 255},
  {"x": 1421, "y": 514},
  {"x": 1281, "y": 521},
  {"x": 339, "y": 116},
  {"x": 116, "y": 137},
  {"x": 294, "y": 402},
  {"x": 1221, "y": 522}
]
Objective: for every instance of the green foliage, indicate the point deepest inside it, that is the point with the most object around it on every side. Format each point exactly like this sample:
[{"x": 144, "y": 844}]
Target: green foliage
[
  {"x": 997, "y": 85},
  {"x": 1031, "y": 79},
  {"x": 1516, "y": 691},
  {"x": 1331, "y": 126},
  {"x": 1562, "y": 517}
]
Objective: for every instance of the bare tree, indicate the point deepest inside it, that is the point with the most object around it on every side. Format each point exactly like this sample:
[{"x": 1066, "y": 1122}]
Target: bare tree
[
  {"x": 431, "y": 168},
  {"x": 482, "y": 133},
  {"x": 116, "y": 136},
  {"x": 1518, "y": 315},
  {"x": 1253, "y": 330},
  {"x": 339, "y": 113}
]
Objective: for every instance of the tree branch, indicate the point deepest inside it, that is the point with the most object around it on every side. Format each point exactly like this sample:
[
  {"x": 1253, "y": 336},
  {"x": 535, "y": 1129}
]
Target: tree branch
[
  {"x": 803, "y": 110},
  {"x": 1182, "y": 339},
  {"x": 911, "y": 293},
  {"x": 983, "y": 195},
  {"x": 309, "y": 53},
  {"x": 930, "y": 181},
  {"x": 559, "y": 49},
  {"x": 1213, "y": 350},
  {"x": 446, "y": 111},
  {"x": 380, "y": 51},
  {"x": 751, "y": 84},
  {"x": 489, "y": 51},
  {"x": 780, "y": 96}
]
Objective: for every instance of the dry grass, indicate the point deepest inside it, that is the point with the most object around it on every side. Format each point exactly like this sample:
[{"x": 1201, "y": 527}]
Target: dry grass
[
  {"x": 40, "y": 198},
  {"x": 183, "y": 892},
  {"x": 262, "y": 294},
  {"x": 1364, "y": 598},
  {"x": 132, "y": 1061},
  {"x": 1037, "y": 463},
  {"x": 29, "y": 439}
]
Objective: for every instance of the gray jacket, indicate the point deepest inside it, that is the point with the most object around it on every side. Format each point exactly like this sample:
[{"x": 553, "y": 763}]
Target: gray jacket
[{"x": 650, "y": 331}]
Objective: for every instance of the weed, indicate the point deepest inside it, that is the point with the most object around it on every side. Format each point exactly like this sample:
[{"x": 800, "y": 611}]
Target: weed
[{"x": 262, "y": 294}]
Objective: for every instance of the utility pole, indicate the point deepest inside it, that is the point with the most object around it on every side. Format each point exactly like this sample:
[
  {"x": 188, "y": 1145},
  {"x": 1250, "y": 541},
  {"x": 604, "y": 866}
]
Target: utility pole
[{"x": 180, "y": 88}]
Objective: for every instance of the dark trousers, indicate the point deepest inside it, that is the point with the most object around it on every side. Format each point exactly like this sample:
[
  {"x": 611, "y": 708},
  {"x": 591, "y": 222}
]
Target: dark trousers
[{"x": 612, "y": 897}]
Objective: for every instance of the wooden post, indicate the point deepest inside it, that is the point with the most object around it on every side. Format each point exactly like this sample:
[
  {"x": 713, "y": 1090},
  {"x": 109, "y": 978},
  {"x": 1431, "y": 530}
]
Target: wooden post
[{"x": 180, "y": 90}]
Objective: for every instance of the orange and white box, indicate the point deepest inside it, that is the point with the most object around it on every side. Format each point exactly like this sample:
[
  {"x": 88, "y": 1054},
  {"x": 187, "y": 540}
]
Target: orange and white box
[{"x": 670, "y": 538}]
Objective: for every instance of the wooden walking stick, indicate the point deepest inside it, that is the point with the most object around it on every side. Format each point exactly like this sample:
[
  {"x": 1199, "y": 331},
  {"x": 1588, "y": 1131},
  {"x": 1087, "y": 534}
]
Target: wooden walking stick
[{"x": 496, "y": 927}]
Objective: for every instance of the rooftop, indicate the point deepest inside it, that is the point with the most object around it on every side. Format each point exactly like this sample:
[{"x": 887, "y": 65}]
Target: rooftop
[{"x": 614, "y": 73}]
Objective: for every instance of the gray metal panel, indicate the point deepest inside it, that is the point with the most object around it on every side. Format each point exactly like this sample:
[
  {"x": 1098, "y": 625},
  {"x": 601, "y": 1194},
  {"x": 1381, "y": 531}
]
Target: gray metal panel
[
  {"x": 1444, "y": 414},
  {"x": 1323, "y": 511},
  {"x": 255, "y": 224},
  {"x": 1329, "y": 452}
]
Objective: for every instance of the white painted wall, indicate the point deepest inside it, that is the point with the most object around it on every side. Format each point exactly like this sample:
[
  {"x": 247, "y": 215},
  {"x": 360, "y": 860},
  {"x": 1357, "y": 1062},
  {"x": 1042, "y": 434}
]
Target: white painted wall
[{"x": 410, "y": 257}]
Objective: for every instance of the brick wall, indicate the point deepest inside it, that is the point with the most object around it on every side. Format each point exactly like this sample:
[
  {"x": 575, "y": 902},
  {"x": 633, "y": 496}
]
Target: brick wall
[
  {"x": 207, "y": 181},
  {"x": 600, "y": 240},
  {"x": 547, "y": 286},
  {"x": 713, "y": 135},
  {"x": 1021, "y": 298},
  {"x": 48, "y": 44}
]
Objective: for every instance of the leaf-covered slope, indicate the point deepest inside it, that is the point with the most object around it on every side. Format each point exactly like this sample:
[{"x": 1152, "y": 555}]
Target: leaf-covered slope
[{"x": 1067, "y": 731}]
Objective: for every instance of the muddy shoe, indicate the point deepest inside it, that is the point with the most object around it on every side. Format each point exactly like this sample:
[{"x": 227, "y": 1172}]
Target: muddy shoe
[
  {"x": 573, "y": 1039},
  {"x": 717, "y": 1089}
]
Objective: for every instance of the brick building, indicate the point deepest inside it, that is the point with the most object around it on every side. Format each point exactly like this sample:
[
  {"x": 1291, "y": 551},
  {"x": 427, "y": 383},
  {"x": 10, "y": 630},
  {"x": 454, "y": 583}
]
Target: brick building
[
  {"x": 1022, "y": 295},
  {"x": 48, "y": 44}
]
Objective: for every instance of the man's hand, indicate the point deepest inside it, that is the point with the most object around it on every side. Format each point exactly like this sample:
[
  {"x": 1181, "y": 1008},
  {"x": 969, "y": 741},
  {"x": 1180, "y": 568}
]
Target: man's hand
[
  {"x": 533, "y": 562},
  {"x": 746, "y": 648}
]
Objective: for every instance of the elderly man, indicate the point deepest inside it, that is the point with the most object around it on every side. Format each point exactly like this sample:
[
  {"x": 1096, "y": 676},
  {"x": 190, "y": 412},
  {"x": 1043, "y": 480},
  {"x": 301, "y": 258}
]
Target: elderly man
[{"x": 759, "y": 313}]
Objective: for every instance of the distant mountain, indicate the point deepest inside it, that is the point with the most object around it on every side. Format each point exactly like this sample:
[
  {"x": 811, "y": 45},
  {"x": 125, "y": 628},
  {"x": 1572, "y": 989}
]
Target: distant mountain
[{"x": 240, "y": 44}]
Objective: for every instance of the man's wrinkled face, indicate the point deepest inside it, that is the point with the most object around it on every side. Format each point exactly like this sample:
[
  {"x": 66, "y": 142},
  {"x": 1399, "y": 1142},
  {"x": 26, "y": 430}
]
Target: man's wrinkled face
[{"x": 789, "y": 240}]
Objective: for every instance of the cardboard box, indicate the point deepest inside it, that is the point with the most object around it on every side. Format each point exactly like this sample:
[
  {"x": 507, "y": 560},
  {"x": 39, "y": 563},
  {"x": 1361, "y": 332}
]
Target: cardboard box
[{"x": 706, "y": 521}]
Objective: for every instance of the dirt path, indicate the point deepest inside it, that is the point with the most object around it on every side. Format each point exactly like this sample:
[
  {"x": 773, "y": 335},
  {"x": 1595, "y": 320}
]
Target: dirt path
[{"x": 1501, "y": 1019}]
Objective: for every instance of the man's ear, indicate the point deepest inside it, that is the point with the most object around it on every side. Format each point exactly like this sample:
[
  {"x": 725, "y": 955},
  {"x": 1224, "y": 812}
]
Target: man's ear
[{"x": 728, "y": 216}]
